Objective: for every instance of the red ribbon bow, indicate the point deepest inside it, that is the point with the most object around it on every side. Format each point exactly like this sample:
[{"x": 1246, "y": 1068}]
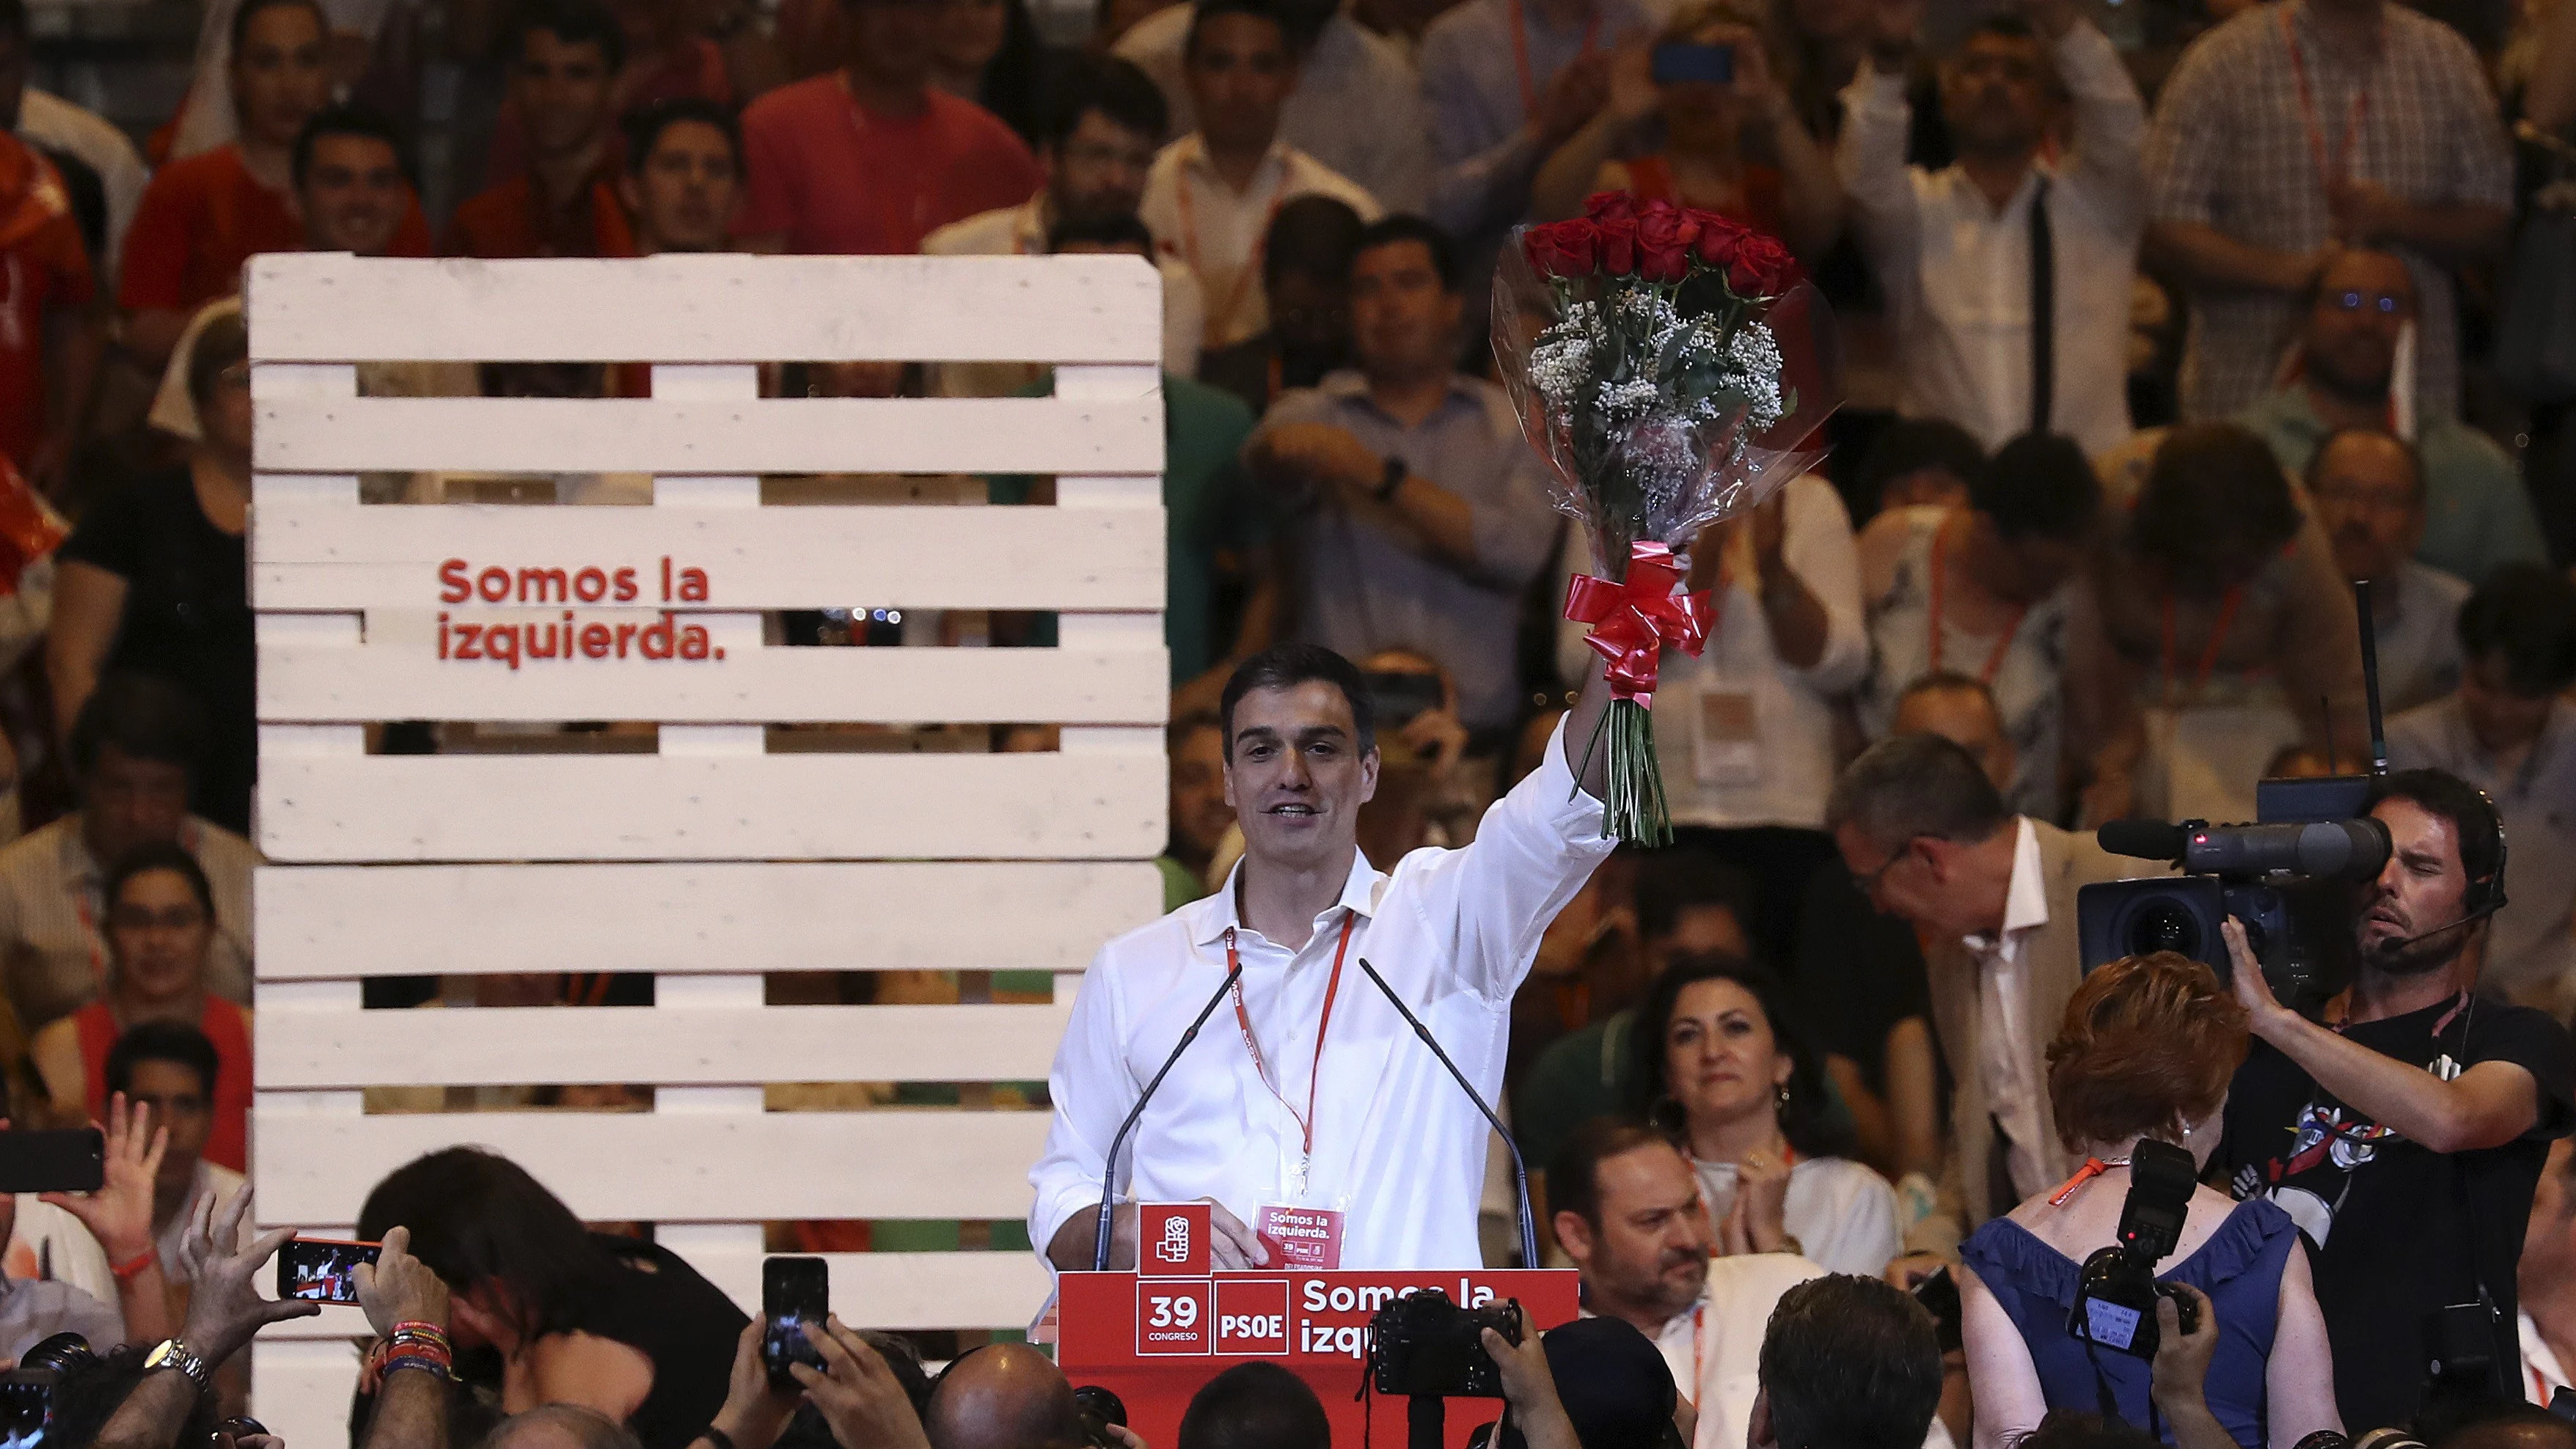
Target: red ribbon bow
[{"x": 1633, "y": 622}]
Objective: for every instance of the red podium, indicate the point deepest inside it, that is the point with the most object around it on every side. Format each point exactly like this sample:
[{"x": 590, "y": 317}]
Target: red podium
[{"x": 1154, "y": 1340}]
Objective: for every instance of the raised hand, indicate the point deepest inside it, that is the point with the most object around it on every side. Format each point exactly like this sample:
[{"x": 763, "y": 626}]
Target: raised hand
[
  {"x": 224, "y": 1309},
  {"x": 119, "y": 1214},
  {"x": 399, "y": 1288}
]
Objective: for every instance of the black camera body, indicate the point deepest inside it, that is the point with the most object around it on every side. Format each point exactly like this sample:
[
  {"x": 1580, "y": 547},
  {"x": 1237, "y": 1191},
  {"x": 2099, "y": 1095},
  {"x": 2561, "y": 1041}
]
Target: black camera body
[
  {"x": 2115, "y": 1298},
  {"x": 1423, "y": 1345},
  {"x": 1099, "y": 1408}
]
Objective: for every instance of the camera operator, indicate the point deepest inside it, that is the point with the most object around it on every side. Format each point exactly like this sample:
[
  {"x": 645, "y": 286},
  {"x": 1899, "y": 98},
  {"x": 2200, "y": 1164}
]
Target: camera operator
[
  {"x": 2405, "y": 1132},
  {"x": 1847, "y": 1363}
]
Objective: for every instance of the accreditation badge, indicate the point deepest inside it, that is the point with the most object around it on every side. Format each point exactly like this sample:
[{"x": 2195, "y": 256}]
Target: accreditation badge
[{"x": 1300, "y": 1237}]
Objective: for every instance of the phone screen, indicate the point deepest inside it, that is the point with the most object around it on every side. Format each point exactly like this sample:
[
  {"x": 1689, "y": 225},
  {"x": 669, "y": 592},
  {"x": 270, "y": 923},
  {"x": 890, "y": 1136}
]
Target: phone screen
[
  {"x": 321, "y": 1270},
  {"x": 793, "y": 1293},
  {"x": 1677, "y": 61},
  {"x": 27, "y": 1407},
  {"x": 70, "y": 1159}
]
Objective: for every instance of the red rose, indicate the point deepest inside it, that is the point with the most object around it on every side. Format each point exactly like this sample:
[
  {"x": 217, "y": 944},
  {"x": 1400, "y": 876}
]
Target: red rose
[
  {"x": 1618, "y": 246},
  {"x": 1563, "y": 248},
  {"x": 1761, "y": 268},
  {"x": 1718, "y": 238},
  {"x": 1664, "y": 245},
  {"x": 1610, "y": 206}
]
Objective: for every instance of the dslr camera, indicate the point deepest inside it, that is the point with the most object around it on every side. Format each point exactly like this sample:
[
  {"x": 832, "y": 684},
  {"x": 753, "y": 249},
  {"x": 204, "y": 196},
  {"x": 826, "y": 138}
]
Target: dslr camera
[
  {"x": 2115, "y": 1299},
  {"x": 1422, "y": 1345}
]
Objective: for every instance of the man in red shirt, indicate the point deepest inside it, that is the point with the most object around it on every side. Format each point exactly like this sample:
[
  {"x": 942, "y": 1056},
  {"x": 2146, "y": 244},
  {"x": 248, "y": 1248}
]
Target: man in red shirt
[
  {"x": 44, "y": 274},
  {"x": 350, "y": 183},
  {"x": 202, "y": 217},
  {"x": 562, "y": 80},
  {"x": 871, "y": 158}
]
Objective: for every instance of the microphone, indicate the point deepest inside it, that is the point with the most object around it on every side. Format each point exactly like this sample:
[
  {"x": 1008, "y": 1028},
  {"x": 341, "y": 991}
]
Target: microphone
[
  {"x": 1520, "y": 1172},
  {"x": 2471, "y": 919},
  {"x": 2353, "y": 849},
  {"x": 2143, "y": 839},
  {"x": 1109, "y": 1168}
]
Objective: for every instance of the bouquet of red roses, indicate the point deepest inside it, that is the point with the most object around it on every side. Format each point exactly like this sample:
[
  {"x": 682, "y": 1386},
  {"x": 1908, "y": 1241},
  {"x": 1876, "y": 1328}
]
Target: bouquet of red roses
[{"x": 1671, "y": 369}]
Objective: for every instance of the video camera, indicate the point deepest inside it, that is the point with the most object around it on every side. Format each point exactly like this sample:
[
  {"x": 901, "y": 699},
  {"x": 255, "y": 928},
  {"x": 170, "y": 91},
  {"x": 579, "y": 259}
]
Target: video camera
[{"x": 2115, "y": 1298}]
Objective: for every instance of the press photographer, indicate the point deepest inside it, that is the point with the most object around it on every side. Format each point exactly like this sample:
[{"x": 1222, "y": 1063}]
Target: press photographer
[{"x": 2405, "y": 1130}]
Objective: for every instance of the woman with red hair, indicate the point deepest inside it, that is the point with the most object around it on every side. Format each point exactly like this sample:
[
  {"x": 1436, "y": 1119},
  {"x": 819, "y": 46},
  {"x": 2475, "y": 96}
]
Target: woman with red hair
[{"x": 2145, "y": 1053}]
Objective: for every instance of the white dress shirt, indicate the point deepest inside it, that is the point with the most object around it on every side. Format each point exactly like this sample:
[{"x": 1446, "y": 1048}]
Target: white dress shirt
[
  {"x": 1957, "y": 271},
  {"x": 1398, "y": 1149},
  {"x": 1021, "y": 231},
  {"x": 2542, "y": 1375},
  {"x": 1206, "y": 225},
  {"x": 2003, "y": 1035}
]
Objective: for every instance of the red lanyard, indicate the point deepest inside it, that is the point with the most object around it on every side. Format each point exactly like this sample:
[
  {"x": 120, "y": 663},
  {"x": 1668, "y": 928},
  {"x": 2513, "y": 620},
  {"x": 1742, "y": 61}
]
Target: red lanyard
[
  {"x": 1223, "y": 313},
  {"x": 1261, "y": 1065},
  {"x": 1995, "y": 660},
  {"x": 2227, "y": 606},
  {"x": 2093, "y": 1167},
  {"x": 1521, "y": 60},
  {"x": 2328, "y": 171}
]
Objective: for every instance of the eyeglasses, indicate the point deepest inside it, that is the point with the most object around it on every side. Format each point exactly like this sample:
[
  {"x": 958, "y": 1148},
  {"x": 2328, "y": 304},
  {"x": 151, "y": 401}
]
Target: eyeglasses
[
  {"x": 2386, "y": 304},
  {"x": 1869, "y": 883}
]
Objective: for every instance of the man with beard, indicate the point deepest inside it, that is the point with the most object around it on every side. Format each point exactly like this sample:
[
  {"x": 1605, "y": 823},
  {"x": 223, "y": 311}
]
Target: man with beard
[
  {"x": 2406, "y": 1129},
  {"x": 2361, "y": 316},
  {"x": 2368, "y": 491}
]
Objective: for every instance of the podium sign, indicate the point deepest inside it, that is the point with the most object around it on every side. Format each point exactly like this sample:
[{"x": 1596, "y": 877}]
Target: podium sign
[{"x": 1154, "y": 1339}]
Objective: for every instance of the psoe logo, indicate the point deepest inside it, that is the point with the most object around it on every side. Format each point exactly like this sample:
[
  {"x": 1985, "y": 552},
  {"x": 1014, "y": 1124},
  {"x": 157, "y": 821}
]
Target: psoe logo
[{"x": 1175, "y": 1246}]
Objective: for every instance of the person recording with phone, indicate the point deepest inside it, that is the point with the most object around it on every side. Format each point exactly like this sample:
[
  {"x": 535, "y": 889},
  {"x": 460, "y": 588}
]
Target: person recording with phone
[
  {"x": 2404, "y": 1130},
  {"x": 2141, "y": 1060}
]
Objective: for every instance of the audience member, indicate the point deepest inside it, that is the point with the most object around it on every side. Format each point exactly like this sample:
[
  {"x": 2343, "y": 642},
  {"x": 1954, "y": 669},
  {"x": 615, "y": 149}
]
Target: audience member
[
  {"x": 1352, "y": 103},
  {"x": 2143, "y": 1053},
  {"x": 1913, "y": 463},
  {"x": 1990, "y": 588},
  {"x": 58, "y": 128},
  {"x": 1417, "y": 512},
  {"x": 174, "y": 1069},
  {"x": 224, "y": 1312},
  {"x": 1977, "y": 258},
  {"x": 871, "y": 158},
  {"x": 1507, "y": 82},
  {"x": 1306, "y": 295},
  {"x": 35, "y": 1307},
  {"x": 1611, "y": 1386},
  {"x": 351, "y": 187},
  {"x": 205, "y": 215},
  {"x": 1724, "y": 1069},
  {"x": 134, "y": 749},
  {"x": 2405, "y": 1132},
  {"x": 2229, "y": 628},
  {"x": 563, "y": 75},
  {"x": 118, "y": 1218},
  {"x": 561, "y": 1426},
  {"x": 1847, "y": 1363},
  {"x": 1992, "y": 895},
  {"x": 1210, "y": 196},
  {"x": 2296, "y": 130},
  {"x": 2547, "y": 1278},
  {"x": 2367, "y": 489},
  {"x": 683, "y": 182},
  {"x": 53, "y": 321},
  {"x": 160, "y": 922},
  {"x": 870, "y": 1393},
  {"x": 1734, "y": 147},
  {"x": 156, "y": 578},
  {"x": 671, "y": 54},
  {"x": 2361, "y": 316},
  {"x": 1096, "y": 143},
  {"x": 1004, "y": 1396},
  {"x": 612, "y": 1324},
  {"x": 1200, "y": 813},
  {"x": 2510, "y": 731},
  {"x": 1256, "y": 1405}
]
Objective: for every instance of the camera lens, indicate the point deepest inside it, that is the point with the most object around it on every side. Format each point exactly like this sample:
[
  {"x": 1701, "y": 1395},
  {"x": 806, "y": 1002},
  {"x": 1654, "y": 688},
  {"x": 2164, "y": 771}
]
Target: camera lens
[{"x": 2163, "y": 926}]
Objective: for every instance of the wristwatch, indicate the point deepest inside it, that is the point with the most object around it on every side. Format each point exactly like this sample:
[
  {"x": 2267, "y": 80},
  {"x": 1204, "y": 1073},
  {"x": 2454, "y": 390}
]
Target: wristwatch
[
  {"x": 1393, "y": 479},
  {"x": 170, "y": 1353}
]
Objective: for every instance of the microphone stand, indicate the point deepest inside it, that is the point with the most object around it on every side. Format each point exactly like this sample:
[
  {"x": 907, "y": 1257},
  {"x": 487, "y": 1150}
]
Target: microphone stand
[
  {"x": 1109, "y": 1168},
  {"x": 1520, "y": 1173}
]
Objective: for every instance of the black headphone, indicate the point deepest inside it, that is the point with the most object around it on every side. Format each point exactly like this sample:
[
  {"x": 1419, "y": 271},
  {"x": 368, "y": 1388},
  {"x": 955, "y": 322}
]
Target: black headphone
[{"x": 2485, "y": 895}]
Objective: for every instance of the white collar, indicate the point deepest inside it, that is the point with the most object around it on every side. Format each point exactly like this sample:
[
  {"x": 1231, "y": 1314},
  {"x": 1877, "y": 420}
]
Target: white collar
[
  {"x": 1215, "y": 914},
  {"x": 2026, "y": 899}
]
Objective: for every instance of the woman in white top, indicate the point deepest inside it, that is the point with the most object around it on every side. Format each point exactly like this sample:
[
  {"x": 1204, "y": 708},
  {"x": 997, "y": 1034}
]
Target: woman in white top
[{"x": 1721, "y": 1068}]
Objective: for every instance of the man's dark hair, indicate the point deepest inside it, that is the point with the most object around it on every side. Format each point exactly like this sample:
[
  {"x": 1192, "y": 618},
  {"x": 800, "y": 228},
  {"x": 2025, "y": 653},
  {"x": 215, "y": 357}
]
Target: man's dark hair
[
  {"x": 1312, "y": 236},
  {"x": 1911, "y": 445},
  {"x": 1203, "y": 11},
  {"x": 477, "y": 1219},
  {"x": 1574, "y": 1173},
  {"x": 1101, "y": 231},
  {"x": 1118, "y": 89},
  {"x": 2038, "y": 485},
  {"x": 146, "y": 716},
  {"x": 240, "y": 32},
  {"x": 1285, "y": 666},
  {"x": 220, "y": 343},
  {"x": 2212, "y": 485},
  {"x": 1850, "y": 1363},
  {"x": 645, "y": 125},
  {"x": 2473, "y": 817},
  {"x": 1254, "y": 1405},
  {"x": 161, "y": 1041},
  {"x": 1406, "y": 227},
  {"x": 574, "y": 22},
  {"x": 345, "y": 121},
  {"x": 167, "y": 855},
  {"x": 2524, "y": 614},
  {"x": 2008, "y": 27},
  {"x": 1910, "y": 786},
  {"x": 2414, "y": 457},
  {"x": 1672, "y": 880},
  {"x": 2074, "y": 1429}
]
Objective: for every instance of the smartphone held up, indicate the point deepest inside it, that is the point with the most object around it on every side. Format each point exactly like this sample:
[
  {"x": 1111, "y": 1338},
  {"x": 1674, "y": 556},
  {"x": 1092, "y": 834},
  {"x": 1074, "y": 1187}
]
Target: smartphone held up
[
  {"x": 793, "y": 1293},
  {"x": 322, "y": 1270}
]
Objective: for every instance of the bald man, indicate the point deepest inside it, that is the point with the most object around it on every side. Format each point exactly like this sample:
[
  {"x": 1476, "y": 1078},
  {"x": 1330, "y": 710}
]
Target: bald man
[
  {"x": 2368, "y": 491},
  {"x": 561, "y": 1426},
  {"x": 1007, "y": 1396}
]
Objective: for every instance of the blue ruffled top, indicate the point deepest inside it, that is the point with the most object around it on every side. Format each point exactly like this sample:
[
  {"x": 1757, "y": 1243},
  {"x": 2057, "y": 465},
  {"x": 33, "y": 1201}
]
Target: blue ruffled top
[{"x": 2239, "y": 1267}]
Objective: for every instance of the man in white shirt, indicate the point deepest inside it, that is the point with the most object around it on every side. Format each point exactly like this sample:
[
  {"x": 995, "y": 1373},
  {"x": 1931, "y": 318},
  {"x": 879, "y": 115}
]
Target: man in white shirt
[
  {"x": 1211, "y": 194},
  {"x": 1955, "y": 248},
  {"x": 1993, "y": 896},
  {"x": 1324, "y": 1132},
  {"x": 2368, "y": 490},
  {"x": 1096, "y": 143}
]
